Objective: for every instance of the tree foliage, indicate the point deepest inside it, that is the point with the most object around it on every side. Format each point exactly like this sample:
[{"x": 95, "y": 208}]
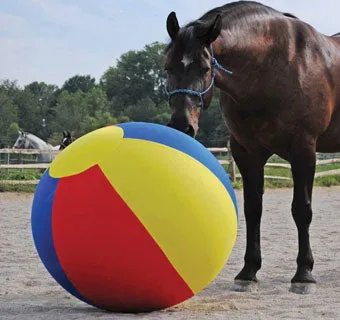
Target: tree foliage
[
  {"x": 137, "y": 75},
  {"x": 78, "y": 82},
  {"x": 131, "y": 90},
  {"x": 8, "y": 113}
]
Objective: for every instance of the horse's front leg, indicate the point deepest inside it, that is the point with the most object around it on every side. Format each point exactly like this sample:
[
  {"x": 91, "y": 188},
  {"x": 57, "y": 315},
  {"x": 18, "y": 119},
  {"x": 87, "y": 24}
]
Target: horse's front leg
[
  {"x": 303, "y": 158},
  {"x": 251, "y": 166}
]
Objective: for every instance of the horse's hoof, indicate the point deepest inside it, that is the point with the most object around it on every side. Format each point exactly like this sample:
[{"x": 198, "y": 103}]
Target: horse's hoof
[
  {"x": 302, "y": 288},
  {"x": 245, "y": 286}
]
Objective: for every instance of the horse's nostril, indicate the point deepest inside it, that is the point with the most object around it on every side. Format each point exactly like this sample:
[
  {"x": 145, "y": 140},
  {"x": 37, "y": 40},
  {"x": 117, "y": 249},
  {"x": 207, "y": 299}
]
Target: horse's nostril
[{"x": 190, "y": 131}]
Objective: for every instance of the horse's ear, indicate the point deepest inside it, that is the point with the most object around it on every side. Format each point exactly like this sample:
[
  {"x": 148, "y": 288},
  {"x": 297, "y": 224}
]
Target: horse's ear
[
  {"x": 209, "y": 33},
  {"x": 19, "y": 131},
  {"x": 68, "y": 134},
  {"x": 172, "y": 25}
]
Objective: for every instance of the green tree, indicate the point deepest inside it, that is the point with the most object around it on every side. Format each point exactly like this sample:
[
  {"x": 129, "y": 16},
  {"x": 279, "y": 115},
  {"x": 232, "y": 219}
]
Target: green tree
[
  {"x": 8, "y": 116},
  {"x": 83, "y": 83},
  {"x": 82, "y": 112},
  {"x": 10, "y": 87},
  {"x": 97, "y": 109},
  {"x": 163, "y": 113},
  {"x": 137, "y": 75},
  {"x": 12, "y": 133},
  {"x": 132, "y": 90},
  {"x": 213, "y": 131},
  {"x": 42, "y": 98},
  {"x": 96, "y": 101},
  {"x": 69, "y": 112},
  {"x": 30, "y": 112},
  {"x": 146, "y": 110}
]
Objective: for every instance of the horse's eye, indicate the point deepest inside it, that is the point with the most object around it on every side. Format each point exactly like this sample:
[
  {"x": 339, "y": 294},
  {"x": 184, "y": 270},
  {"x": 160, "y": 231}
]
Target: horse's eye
[{"x": 206, "y": 69}]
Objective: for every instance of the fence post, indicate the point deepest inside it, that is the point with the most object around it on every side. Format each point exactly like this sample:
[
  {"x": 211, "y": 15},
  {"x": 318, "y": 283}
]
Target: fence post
[
  {"x": 231, "y": 166},
  {"x": 232, "y": 169},
  {"x": 8, "y": 156}
]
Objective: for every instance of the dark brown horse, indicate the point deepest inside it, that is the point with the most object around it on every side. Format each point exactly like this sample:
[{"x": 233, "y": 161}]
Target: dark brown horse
[{"x": 283, "y": 97}]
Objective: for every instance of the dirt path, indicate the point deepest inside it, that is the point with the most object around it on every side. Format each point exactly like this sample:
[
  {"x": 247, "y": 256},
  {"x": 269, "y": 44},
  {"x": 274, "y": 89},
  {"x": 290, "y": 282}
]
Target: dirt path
[{"x": 27, "y": 291}]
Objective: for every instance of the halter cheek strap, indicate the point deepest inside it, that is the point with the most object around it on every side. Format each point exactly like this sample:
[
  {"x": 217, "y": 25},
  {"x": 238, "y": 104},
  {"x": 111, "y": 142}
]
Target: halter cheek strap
[{"x": 214, "y": 64}]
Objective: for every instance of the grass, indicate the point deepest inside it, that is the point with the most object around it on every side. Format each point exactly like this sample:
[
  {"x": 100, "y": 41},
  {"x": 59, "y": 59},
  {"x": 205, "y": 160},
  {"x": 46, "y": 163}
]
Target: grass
[
  {"x": 326, "y": 167},
  {"x": 327, "y": 181},
  {"x": 5, "y": 187},
  {"x": 21, "y": 174}
]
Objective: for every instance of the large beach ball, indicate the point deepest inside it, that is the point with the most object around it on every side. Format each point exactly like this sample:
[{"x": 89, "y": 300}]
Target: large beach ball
[{"x": 134, "y": 217}]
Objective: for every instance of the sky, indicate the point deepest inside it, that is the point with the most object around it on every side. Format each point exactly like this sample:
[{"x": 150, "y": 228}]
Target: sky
[{"x": 53, "y": 40}]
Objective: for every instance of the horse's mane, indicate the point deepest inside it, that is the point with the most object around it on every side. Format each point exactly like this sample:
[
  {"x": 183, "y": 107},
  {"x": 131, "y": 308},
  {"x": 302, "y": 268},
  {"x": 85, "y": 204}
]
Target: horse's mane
[
  {"x": 37, "y": 140},
  {"x": 238, "y": 10},
  {"x": 230, "y": 13}
]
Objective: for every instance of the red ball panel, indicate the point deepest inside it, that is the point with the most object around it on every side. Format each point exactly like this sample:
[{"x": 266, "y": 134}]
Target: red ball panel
[{"x": 106, "y": 252}]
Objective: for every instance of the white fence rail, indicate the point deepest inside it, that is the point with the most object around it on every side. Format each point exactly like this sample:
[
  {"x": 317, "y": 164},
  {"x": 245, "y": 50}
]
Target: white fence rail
[
  {"x": 230, "y": 162},
  {"x": 234, "y": 175},
  {"x": 28, "y": 151}
]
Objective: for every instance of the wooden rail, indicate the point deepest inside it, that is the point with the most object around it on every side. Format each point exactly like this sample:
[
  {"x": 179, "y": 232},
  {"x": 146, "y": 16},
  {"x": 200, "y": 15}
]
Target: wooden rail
[
  {"x": 327, "y": 173},
  {"x": 230, "y": 162},
  {"x": 25, "y": 166},
  {"x": 267, "y": 177},
  {"x": 234, "y": 176},
  {"x": 16, "y": 182},
  {"x": 217, "y": 150},
  {"x": 28, "y": 151}
]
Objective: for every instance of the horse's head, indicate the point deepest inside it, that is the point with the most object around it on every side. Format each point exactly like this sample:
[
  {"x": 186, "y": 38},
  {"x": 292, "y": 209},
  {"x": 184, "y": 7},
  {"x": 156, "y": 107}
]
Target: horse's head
[
  {"x": 67, "y": 140},
  {"x": 22, "y": 142},
  {"x": 190, "y": 71}
]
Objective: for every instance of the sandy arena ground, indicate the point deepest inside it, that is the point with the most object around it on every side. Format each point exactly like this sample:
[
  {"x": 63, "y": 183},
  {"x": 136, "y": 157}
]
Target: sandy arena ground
[{"x": 27, "y": 291}]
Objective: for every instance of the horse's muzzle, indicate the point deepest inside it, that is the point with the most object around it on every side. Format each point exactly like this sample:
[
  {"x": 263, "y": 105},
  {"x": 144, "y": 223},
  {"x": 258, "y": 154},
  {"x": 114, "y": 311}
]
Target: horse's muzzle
[{"x": 189, "y": 129}]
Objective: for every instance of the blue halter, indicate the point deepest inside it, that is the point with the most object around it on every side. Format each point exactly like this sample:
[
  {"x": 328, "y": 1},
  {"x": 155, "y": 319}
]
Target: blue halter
[{"x": 214, "y": 64}]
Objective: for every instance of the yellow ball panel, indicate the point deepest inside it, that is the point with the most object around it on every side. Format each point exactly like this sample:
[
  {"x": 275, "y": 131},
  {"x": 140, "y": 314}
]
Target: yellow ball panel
[
  {"x": 182, "y": 204},
  {"x": 87, "y": 151}
]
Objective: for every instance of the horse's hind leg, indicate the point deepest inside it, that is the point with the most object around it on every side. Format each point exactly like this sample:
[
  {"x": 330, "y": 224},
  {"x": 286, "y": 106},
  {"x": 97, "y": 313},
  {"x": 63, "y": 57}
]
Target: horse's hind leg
[
  {"x": 302, "y": 158},
  {"x": 251, "y": 166}
]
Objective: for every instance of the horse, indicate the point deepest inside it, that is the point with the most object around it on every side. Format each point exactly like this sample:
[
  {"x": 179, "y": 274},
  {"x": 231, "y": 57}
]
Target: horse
[
  {"x": 278, "y": 79},
  {"x": 67, "y": 140},
  {"x": 27, "y": 140}
]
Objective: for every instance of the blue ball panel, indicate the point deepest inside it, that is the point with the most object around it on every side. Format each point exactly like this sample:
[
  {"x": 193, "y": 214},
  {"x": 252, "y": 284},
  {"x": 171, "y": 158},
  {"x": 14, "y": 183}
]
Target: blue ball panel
[
  {"x": 182, "y": 142},
  {"x": 41, "y": 222}
]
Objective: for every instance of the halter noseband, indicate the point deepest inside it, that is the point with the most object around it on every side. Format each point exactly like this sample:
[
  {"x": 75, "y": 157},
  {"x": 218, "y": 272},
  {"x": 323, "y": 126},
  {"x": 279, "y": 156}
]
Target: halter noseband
[{"x": 214, "y": 64}]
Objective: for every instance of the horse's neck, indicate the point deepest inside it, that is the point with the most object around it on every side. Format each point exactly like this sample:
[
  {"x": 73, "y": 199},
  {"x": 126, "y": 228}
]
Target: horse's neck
[
  {"x": 244, "y": 51},
  {"x": 255, "y": 39},
  {"x": 37, "y": 143}
]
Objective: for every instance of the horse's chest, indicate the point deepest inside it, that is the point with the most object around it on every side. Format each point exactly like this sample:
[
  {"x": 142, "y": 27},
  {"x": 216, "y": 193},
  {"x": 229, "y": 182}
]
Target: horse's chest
[{"x": 257, "y": 128}]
